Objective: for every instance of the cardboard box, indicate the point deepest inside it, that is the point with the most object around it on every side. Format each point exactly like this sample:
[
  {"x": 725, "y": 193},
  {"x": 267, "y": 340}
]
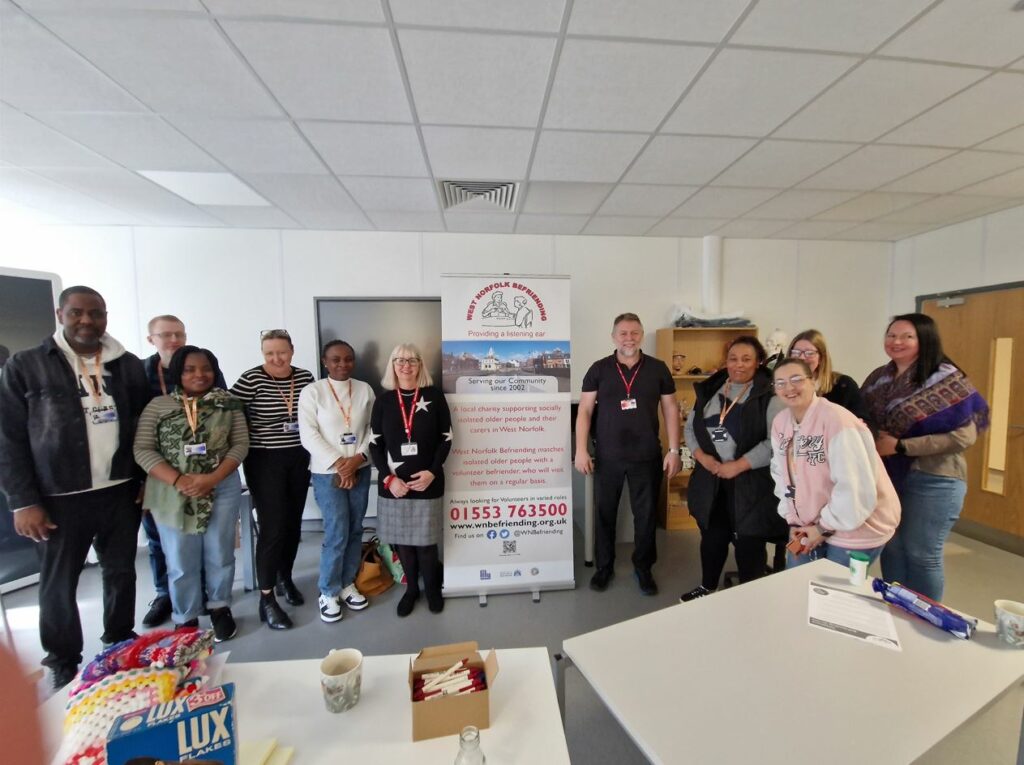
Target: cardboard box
[
  {"x": 199, "y": 727},
  {"x": 450, "y": 714}
]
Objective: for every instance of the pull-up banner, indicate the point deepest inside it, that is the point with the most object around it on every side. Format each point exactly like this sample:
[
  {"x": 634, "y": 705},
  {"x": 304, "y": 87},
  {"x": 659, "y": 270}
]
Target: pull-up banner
[{"x": 505, "y": 366}]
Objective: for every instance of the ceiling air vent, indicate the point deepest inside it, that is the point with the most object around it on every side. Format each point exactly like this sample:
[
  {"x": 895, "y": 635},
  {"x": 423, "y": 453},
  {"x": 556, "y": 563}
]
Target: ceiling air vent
[{"x": 480, "y": 195}]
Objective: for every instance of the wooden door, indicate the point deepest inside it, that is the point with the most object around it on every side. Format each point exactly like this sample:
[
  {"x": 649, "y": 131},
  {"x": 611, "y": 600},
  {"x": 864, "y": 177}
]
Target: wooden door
[{"x": 968, "y": 332}]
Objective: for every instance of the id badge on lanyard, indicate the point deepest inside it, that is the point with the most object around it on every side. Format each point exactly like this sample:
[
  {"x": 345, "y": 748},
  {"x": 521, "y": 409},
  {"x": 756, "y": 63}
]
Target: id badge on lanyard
[
  {"x": 410, "y": 449},
  {"x": 290, "y": 427},
  {"x": 193, "y": 450},
  {"x": 627, "y": 403}
]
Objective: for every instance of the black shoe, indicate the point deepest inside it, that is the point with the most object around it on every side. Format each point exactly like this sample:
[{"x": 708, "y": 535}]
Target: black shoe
[
  {"x": 696, "y": 592},
  {"x": 646, "y": 581},
  {"x": 599, "y": 581},
  {"x": 273, "y": 614},
  {"x": 159, "y": 612},
  {"x": 407, "y": 602},
  {"x": 61, "y": 675},
  {"x": 435, "y": 602},
  {"x": 286, "y": 588},
  {"x": 191, "y": 624},
  {"x": 109, "y": 640},
  {"x": 224, "y": 627}
]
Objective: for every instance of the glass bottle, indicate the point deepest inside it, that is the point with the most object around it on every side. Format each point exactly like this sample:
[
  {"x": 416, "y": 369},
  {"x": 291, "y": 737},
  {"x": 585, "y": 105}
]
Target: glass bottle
[{"x": 469, "y": 747}]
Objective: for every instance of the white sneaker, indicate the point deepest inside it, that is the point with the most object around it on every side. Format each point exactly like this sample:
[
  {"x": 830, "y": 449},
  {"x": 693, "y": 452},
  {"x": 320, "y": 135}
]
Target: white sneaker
[
  {"x": 353, "y": 598},
  {"x": 330, "y": 609}
]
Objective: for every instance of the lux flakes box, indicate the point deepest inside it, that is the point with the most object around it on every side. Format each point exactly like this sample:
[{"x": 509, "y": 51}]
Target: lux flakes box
[{"x": 197, "y": 728}]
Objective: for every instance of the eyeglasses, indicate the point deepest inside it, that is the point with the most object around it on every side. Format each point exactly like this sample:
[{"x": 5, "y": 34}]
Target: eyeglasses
[
  {"x": 169, "y": 335},
  {"x": 796, "y": 381},
  {"x": 796, "y": 353},
  {"x": 400, "y": 362}
]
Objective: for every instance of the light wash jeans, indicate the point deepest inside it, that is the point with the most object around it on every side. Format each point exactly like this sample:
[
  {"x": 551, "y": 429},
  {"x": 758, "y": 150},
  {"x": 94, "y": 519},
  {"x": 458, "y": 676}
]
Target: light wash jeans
[
  {"x": 188, "y": 554},
  {"x": 343, "y": 511},
  {"x": 931, "y": 505},
  {"x": 840, "y": 555}
]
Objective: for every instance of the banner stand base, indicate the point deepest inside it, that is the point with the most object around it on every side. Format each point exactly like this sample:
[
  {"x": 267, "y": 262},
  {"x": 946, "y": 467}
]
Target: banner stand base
[
  {"x": 536, "y": 596},
  {"x": 483, "y": 601}
]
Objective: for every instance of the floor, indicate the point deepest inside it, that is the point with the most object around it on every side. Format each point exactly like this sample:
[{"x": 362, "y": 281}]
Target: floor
[{"x": 977, "y": 574}]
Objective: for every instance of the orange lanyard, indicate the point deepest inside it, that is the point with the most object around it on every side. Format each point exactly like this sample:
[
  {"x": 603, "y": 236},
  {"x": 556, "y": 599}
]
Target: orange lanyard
[
  {"x": 726, "y": 409},
  {"x": 407, "y": 421},
  {"x": 192, "y": 415},
  {"x": 289, "y": 402},
  {"x": 347, "y": 415},
  {"x": 95, "y": 383}
]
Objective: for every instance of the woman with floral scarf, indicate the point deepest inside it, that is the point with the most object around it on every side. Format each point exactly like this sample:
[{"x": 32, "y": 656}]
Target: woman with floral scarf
[
  {"x": 925, "y": 414},
  {"x": 191, "y": 443}
]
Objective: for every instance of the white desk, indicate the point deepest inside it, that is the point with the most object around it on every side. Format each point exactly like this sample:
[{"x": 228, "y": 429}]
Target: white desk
[
  {"x": 282, "y": 700},
  {"x": 739, "y": 677}
]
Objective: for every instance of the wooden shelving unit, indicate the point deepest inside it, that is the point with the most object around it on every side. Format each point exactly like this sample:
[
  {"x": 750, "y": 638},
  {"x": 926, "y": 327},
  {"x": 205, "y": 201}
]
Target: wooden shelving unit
[{"x": 703, "y": 348}]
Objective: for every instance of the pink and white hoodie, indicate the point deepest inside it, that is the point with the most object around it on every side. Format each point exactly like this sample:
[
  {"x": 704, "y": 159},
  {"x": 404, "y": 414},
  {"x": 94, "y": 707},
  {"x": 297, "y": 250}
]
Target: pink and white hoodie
[{"x": 840, "y": 481}]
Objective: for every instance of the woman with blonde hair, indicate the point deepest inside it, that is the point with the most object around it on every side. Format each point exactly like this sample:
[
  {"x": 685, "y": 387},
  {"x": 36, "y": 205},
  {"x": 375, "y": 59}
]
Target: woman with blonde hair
[
  {"x": 809, "y": 346},
  {"x": 410, "y": 438}
]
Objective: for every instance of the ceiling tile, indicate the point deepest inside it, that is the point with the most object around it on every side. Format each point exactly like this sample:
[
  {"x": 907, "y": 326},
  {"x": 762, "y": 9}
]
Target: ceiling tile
[
  {"x": 38, "y": 72},
  {"x": 616, "y": 225},
  {"x": 875, "y": 98},
  {"x": 478, "y": 153},
  {"x": 137, "y": 141},
  {"x": 407, "y": 221},
  {"x": 562, "y": 199},
  {"x": 15, "y": 214},
  {"x": 870, "y": 205},
  {"x": 629, "y": 199},
  {"x": 686, "y": 159},
  {"x": 173, "y": 63},
  {"x": 324, "y": 10},
  {"x": 619, "y": 85},
  {"x": 29, "y": 143},
  {"x": 251, "y": 217},
  {"x": 481, "y": 223},
  {"x": 325, "y": 71},
  {"x": 794, "y": 205},
  {"x": 782, "y": 163},
  {"x": 947, "y": 209},
  {"x": 983, "y": 32},
  {"x": 503, "y": 86},
  {"x": 317, "y": 201},
  {"x": 957, "y": 171},
  {"x": 25, "y": 188},
  {"x": 367, "y": 149},
  {"x": 843, "y": 26},
  {"x": 520, "y": 16},
  {"x": 750, "y": 92},
  {"x": 811, "y": 229},
  {"x": 881, "y": 232},
  {"x": 694, "y": 20},
  {"x": 716, "y": 202},
  {"x": 752, "y": 229},
  {"x": 1012, "y": 140},
  {"x": 687, "y": 226},
  {"x": 1008, "y": 185},
  {"x": 872, "y": 166},
  {"x": 252, "y": 146},
  {"x": 119, "y": 5},
  {"x": 586, "y": 157},
  {"x": 393, "y": 194},
  {"x": 984, "y": 110},
  {"x": 550, "y": 224}
]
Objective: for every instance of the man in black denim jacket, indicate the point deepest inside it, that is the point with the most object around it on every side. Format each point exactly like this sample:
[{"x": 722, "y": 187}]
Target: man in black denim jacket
[{"x": 68, "y": 412}]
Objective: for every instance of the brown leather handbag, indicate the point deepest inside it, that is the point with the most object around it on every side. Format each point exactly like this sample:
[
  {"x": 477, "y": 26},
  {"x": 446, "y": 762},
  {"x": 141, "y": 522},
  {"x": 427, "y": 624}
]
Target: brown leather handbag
[{"x": 373, "y": 577}]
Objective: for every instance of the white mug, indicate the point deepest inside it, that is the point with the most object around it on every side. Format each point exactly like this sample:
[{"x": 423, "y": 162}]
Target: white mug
[
  {"x": 341, "y": 678},
  {"x": 1010, "y": 622}
]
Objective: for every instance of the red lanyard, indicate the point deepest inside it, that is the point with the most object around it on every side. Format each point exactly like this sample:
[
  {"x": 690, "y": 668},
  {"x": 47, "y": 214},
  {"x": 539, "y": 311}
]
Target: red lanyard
[
  {"x": 407, "y": 421},
  {"x": 629, "y": 385},
  {"x": 348, "y": 415}
]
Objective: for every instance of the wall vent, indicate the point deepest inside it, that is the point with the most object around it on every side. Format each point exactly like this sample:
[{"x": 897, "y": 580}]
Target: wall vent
[{"x": 480, "y": 195}]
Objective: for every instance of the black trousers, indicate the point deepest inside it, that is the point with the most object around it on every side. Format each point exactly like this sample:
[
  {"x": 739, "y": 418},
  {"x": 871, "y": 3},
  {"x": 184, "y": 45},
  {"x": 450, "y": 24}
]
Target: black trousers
[
  {"x": 421, "y": 559},
  {"x": 278, "y": 480},
  {"x": 751, "y": 557},
  {"x": 644, "y": 479},
  {"x": 109, "y": 520}
]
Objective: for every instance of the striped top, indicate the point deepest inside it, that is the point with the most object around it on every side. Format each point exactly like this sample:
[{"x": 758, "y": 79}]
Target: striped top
[{"x": 265, "y": 400}]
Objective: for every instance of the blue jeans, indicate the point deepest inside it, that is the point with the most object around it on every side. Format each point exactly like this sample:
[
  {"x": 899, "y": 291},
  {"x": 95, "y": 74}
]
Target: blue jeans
[
  {"x": 157, "y": 563},
  {"x": 214, "y": 550},
  {"x": 343, "y": 511},
  {"x": 840, "y": 555},
  {"x": 931, "y": 505}
]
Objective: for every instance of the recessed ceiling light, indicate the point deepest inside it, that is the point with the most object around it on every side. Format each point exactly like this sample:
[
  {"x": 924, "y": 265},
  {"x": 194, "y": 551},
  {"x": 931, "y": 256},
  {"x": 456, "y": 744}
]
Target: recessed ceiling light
[{"x": 207, "y": 188}]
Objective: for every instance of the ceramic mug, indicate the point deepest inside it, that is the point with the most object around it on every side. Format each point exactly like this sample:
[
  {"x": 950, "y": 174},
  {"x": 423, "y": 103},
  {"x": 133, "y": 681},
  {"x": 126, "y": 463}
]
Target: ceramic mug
[
  {"x": 341, "y": 678},
  {"x": 1010, "y": 622}
]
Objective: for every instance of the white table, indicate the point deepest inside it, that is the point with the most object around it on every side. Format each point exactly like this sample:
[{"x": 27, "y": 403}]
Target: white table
[
  {"x": 739, "y": 677},
  {"x": 282, "y": 700}
]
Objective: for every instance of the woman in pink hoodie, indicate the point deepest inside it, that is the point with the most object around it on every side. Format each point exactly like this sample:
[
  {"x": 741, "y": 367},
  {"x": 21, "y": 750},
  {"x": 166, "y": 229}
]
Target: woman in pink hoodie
[{"x": 833, "y": 489}]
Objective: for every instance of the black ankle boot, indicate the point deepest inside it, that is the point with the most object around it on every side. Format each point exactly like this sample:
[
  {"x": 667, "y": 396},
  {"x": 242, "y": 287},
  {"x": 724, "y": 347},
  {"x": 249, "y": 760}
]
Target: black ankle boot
[
  {"x": 286, "y": 588},
  {"x": 407, "y": 601},
  {"x": 273, "y": 614}
]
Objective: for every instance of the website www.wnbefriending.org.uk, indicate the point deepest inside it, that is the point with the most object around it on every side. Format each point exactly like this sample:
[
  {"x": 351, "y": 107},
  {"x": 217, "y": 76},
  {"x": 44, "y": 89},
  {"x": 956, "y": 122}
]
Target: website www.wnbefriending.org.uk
[{"x": 530, "y": 523}]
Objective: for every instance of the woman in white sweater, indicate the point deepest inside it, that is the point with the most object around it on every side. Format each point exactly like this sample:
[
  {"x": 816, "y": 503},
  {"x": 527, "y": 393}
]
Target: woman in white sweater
[{"x": 334, "y": 425}]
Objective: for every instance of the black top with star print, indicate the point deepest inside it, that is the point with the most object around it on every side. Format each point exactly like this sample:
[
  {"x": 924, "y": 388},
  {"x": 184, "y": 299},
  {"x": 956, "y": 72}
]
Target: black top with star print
[{"x": 431, "y": 432}]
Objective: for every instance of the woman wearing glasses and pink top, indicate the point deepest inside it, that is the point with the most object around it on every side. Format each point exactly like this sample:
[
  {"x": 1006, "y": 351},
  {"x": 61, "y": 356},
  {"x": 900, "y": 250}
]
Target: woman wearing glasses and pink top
[
  {"x": 833, "y": 489},
  {"x": 410, "y": 438},
  {"x": 838, "y": 388}
]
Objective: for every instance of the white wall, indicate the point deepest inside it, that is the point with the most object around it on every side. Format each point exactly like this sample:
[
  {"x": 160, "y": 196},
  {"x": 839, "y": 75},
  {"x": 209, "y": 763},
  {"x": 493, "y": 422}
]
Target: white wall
[{"x": 228, "y": 285}]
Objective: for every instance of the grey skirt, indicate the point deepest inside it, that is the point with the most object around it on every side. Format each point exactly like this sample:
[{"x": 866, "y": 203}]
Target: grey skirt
[{"x": 409, "y": 521}]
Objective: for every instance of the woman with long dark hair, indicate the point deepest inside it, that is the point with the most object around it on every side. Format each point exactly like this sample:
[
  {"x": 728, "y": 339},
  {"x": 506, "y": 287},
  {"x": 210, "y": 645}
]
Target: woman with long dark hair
[{"x": 925, "y": 414}]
